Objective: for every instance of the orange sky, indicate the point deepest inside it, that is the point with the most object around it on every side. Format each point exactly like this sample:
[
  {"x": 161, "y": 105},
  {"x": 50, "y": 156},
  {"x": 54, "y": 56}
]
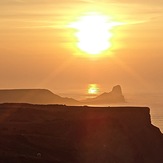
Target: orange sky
[{"x": 36, "y": 46}]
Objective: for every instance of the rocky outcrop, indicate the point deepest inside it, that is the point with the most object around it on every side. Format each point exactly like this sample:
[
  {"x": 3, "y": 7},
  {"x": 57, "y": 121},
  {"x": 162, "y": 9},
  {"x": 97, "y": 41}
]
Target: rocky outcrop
[
  {"x": 44, "y": 96},
  {"x": 113, "y": 97},
  {"x": 34, "y": 96},
  {"x": 59, "y": 133}
]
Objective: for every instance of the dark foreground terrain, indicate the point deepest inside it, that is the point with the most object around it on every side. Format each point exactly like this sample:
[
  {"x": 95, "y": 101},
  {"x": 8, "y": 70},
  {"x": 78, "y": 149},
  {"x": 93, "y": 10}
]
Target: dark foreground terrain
[{"x": 65, "y": 134}]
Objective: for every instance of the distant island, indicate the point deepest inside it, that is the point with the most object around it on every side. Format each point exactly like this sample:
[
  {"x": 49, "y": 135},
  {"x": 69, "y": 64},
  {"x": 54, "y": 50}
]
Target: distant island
[
  {"x": 78, "y": 134},
  {"x": 44, "y": 96}
]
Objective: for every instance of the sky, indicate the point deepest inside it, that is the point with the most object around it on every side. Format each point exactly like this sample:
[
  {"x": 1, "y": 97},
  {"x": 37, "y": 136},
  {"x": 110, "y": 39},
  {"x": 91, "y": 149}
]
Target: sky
[{"x": 38, "y": 49}]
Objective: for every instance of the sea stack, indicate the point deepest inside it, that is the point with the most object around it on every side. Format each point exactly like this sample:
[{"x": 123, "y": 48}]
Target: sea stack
[{"x": 116, "y": 94}]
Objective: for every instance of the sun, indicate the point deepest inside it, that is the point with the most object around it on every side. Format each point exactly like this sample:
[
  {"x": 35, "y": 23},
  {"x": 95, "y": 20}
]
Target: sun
[
  {"x": 94, "y": 33},
  {"x": 93, "y": 89}
]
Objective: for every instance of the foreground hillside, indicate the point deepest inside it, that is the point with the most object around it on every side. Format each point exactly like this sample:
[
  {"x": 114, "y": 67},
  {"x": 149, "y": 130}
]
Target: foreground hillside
[{"x": 58, "y": 133}]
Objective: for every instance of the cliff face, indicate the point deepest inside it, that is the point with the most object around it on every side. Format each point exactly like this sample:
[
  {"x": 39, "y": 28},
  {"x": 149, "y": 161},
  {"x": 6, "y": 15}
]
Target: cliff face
[{"x": 78, "y": 134}]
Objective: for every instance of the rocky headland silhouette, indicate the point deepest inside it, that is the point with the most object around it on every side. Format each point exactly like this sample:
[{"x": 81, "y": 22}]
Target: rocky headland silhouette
[
  {"x": 45, "y": 96},
  {"x": 113, "y": 97},
  {"x": 34, "y": 96},
  {"x": 78, "y": 134}
]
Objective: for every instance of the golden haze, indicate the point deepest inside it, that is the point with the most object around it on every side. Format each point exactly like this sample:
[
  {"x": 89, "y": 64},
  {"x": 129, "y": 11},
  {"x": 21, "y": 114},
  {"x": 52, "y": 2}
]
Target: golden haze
[{"x": 37, "y": 48}]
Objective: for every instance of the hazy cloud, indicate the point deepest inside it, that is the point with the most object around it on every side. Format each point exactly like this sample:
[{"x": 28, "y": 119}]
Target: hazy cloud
[
  {"x": 146, "y": 2},
  {"x": 12, "y": 2},
  {"x": 132, "y": 12}
]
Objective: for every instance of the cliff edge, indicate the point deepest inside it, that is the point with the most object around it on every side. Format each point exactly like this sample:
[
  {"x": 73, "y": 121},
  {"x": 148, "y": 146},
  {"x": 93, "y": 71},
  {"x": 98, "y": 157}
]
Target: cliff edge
[{"x": 78, "y": 134}]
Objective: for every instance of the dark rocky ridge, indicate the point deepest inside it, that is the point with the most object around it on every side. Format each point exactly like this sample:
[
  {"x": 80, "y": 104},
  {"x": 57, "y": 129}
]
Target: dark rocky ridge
[{"x": 78, "y": 134}]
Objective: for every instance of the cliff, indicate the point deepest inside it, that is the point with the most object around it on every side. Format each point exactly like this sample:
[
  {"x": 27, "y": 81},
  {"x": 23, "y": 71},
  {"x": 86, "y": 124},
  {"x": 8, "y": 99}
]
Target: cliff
[{"x": 78, "y": 134}]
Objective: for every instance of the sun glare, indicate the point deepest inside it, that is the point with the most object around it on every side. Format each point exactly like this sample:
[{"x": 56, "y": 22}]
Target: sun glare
[
  {"x": 93, "y": 89},
  {"x": 94, "y": 33}
]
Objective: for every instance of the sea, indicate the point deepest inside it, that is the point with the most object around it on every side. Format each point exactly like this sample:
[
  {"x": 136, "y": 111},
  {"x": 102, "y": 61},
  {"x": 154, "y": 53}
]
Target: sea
[{"x": 152, "y": 100}]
